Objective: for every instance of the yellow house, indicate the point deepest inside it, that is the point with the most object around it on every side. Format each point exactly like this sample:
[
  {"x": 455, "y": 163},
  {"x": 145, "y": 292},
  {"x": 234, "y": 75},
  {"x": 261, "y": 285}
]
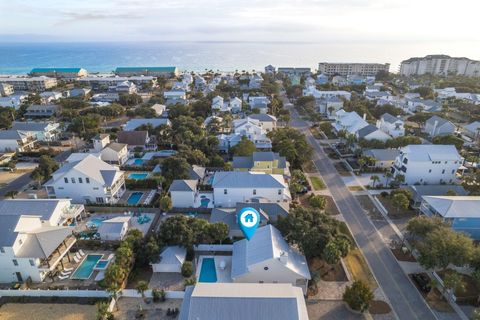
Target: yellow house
[{"x": 267, "y": 162}]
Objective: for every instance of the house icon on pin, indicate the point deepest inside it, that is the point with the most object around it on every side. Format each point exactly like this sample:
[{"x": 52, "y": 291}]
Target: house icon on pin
[{"x": 249, "y": 218}]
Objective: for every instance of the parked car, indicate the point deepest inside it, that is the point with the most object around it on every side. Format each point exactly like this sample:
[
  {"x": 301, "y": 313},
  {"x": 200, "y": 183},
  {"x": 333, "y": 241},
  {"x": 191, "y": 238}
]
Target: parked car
[{"x": 423, "y": 281}]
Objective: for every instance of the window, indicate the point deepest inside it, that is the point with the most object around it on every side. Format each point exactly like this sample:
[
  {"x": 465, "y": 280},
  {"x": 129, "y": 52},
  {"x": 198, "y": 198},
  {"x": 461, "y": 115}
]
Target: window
[
  {"x": 32, "y": 263},
  {"x": 265, "y": 268},
  {"x": 73, "y": 179},
  {"x": 80, "y": 180},
  {"x": 15, "y": 262},
  {"x": 443, "y": 171},
  {"x": 99, "y": 200},
  {"x": 279, "y": 191},
  {"x": 225, "y": 191},
  {"x": 87, "y": 180},
  {"x": 254, "y": 191},
  {"x": 20, "y": 241},
  {"x": 2, "y": 250},
  {"x": 430, "y": 171},
  {"x": 95, "y": 188},
  {"x": 66, "y": 180},
  {"x": 453, "y": 171}
]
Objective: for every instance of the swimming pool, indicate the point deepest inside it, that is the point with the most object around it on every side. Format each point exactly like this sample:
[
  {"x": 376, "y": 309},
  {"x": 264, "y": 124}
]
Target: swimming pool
[
  {"x": 94, "y": 223},
  {"x": 134, "y": 197},
  {"x": 85, "y": 270},
  {"x": 138, "y": 175},
  {"x": 207, "y": 272},
  {"x": 101, "y": 265}
]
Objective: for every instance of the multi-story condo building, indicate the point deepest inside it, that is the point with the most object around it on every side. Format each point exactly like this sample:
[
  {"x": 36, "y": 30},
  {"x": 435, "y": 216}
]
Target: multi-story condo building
[
  {"x": 30, "y": 84},
  {"x": 347, "y": 69},
  {"x": 294, "y": 71},
  {"x": 89, "y": 180},
  {"x": 166, "y": 72},
  {"x": 427, "y": 164},
  {"x": 441, "y": 65},
  {"x": 6, "y": 89},
  {"x": 66, "y": 73},
  {"x": 35, "y": 237}
]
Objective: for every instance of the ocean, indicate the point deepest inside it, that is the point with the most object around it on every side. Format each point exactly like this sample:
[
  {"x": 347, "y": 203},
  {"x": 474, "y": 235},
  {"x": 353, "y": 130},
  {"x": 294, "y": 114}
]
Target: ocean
[{"x": 20, "y": 58}]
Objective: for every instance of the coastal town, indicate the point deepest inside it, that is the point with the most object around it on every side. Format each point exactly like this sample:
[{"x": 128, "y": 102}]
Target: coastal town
[{"x": 123, "y": 192}]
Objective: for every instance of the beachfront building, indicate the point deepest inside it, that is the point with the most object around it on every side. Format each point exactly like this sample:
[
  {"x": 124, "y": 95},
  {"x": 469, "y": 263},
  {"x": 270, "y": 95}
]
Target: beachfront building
[
  {"x": 460, "y": 212},
  {"x": 89, "y": 180},
  {"x": 240, "y": 301},
  {"x": 42, "y": 131},
  {"x": 36, "y": 84},
  {"x": 440, "y": 65},
  {"x": 165, "y": 72},
  {"x": 230, "y": 187},
  {"x": 427, "y": 164},
  {"x": 347, "y": 69},
  {"x": 35, "y": 237},
  {"x": 6, "y": 89},
  {"x": 65, "y": 73}
]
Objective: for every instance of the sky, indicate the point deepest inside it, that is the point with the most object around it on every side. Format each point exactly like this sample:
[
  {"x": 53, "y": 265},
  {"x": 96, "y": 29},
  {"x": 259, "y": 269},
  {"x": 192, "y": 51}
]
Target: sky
[{"x": 427, "y": 26}]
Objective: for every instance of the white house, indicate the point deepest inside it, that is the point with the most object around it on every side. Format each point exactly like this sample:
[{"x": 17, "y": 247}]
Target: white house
[
  {"x": 240, "y": 301},
  {"x": 217, "y": 103},
  {"x": 236, "y": 105},
  {"x": 110, "y": 152},
  {"x": 350, "y": 122},
  {"x": 174, "y": 97},
  {"x": 260, "y": 103},
  {"x": 391, "y": 125},
  {"x": 15, "y": 140},
  {"x": 6, "y": 89},
  {"x": 126, "y": 87},
  {"x": 328, "y": 106},
  {"x": 159, "y": 109},
  {"x": 370, "y": 132},
  {"x": 89, "y": 180},
  {"x": 114, "y": 229},
  {"x": 428, "y": 105},
  {"x": 267, "y": 122},
  {"x": 436, "y": 126},
  {"x": 230, "y": 187},
  {"x": 472, "y": 130},
  {"x": 171, "y": 260},
  {"x": 183, "y": 192},
  {"x": 42, "y": 131},
  {"x": 427, "y": 164},
  {"x": 33, "y": 237},
  {"x": 267, "y": 258},
  {"x": 249, "y": 128}
]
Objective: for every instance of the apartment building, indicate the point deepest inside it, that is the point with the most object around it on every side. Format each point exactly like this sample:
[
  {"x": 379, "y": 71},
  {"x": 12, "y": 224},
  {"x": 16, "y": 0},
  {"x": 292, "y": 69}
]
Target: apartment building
[
  {"x": 38, "y": 84},
  {"x": 441, "y": 65},
  {"x": 6, "y": 89},
  {"x": 166, "y": 72},
  {"x": 427, "y": 164},
  {"x": 347, "y": 69},
  {"x": 65, "y": 73}
]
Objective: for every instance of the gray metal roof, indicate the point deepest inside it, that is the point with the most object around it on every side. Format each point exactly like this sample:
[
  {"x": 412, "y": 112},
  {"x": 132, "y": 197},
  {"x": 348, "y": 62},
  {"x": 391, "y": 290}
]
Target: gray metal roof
[
  {"x": 7, "y": 230},
  {"x": 173, "y": 255},
  {"x": 234, "y": 179},
  {"x": 132, "y": 138},
  {"x": 240, "y": 301},
  {"x": 389, "y": 118},
  {"x": 12, "y": 135},
  {"x": 30, "y": 126},
  {"x": 32, "y": 207},
  {"x": 266, "y": 244},
  {"x": 272, "y": 209},
  {"x": 382, "y": 154},
  {"x": 196, "y": 172},
  {"x": 263, "y": 117},
  {"x": 183, "y": 185},
  {"x": 115, "y": 146},
  {"x": 42, "y": 242},
  {"x": 242, "y": 162},
  {"x": 440, "y": 121},
  {"x": 435, "y": 190},
  {"x": 114, "y": 226},
  {"x": 365, "y": 131}
]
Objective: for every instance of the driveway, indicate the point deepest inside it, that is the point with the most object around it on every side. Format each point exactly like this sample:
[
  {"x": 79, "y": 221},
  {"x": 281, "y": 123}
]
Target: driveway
[{"x": 404, "y": 298}]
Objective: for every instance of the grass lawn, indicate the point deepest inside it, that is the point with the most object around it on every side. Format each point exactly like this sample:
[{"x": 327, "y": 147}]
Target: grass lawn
[
  {"x": 317, "y": 183},
  {"x": 358, "y": 268}
]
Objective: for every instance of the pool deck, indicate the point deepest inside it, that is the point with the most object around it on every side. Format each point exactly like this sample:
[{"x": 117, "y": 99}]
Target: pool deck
[
  {"x": 224, "y": 275},
  {"x": 133, "y": 222}
]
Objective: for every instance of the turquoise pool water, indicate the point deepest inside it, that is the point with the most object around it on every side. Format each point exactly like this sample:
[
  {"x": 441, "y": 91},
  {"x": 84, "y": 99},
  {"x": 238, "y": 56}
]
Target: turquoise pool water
[
  {"x": 85, "y": 270},
  {"x": 101, "y": 265},
  {"x": 134, "y": 197},
  {"x": 138, "y": 162},
  {"x": 94, "y": 223},
  {"x": 138, "y": 176},
  {"x": 207, "y": 272}
]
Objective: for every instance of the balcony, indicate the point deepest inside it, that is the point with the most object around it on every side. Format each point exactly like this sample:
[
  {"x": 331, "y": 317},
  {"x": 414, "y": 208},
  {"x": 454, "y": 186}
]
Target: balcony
[
  {"x": 73, "y": 211},
  {"x": 57, "y": 256}
]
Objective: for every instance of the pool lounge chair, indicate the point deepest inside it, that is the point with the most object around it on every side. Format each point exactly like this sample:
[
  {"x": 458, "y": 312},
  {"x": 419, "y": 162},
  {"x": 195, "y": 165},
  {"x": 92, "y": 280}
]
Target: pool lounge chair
[
  {"x": 63, "y": 277},
  {"x": 78, "y": 256},
  {"x": 81, "y": 252},
  {"x": 68, "y": 269},
  {"x": 67, "y": 273},
  {"x": 76, "y": 259}
]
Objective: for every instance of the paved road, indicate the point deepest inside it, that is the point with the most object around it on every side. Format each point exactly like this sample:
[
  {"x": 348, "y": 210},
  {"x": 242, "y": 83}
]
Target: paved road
[
  {"x": 406, "y": 301},
  {"x": 21, "y": 182}
]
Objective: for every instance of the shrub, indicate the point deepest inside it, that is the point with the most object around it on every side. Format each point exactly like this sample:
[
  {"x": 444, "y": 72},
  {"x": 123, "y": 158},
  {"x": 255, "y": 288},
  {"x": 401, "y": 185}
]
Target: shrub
[
  {"x": 317, "y": 201},
  {"x": 358, "y": 296},
  {"x": 187, "y": 269},
  {"x": 158, "y": 295}
]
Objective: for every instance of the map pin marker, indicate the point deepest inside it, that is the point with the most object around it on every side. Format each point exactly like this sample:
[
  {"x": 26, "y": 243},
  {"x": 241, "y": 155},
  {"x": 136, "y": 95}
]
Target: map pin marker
[{"x": 248, "y": 220}]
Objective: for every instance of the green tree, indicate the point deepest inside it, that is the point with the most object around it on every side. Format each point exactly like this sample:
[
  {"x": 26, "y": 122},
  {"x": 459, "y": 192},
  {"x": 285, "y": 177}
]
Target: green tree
[
  {"x": 449, "y": 139},
  {"x": 11, "y": 194},
  {"x": 291, "y": 144},
  {"x": 358, "y": 296},
  {"x": 132, "y": 99},
  {"x": 187, "y": 269},
  {"x": 218, "y": 231},
  {"x": 400, "y": 201},
  {"x": 165, "y": 203},
  {"x": 454, "y": 281},
  {"x": 175, "y": 168},
  {"x": 141, "y": 287},
  {"x": 317, "y": 201},
  {"x": 419, "y": 227},
  {"x": 46, "y": 166},
  {"x": 102, "y": 310},
  {"x": 336, "y": 249},
  {"x": 374, "y": 178},
  {"x": 244, "y": 148}
]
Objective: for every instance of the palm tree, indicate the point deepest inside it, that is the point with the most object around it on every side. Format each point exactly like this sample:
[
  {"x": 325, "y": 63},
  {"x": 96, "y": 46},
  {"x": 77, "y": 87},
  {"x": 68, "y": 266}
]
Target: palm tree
[
  {"x": 142, "y": 286},
  {"x": 374, "y": 179},
  {"x": 388, "y": 175},
  {"x": 12, "y": 194},
  {"x": 102, "y": 310}
]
